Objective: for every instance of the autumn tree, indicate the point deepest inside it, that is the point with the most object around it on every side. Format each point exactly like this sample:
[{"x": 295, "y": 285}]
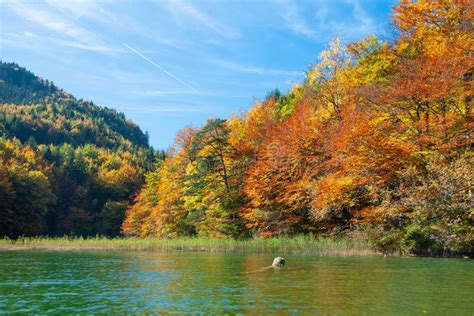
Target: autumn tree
[
  {"x": 377, "y": 137},
  {"x": 25, "y": 190}
]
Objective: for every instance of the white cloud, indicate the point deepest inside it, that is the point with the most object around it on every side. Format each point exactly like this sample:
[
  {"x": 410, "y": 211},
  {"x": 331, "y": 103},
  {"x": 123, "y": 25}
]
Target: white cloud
[
  {"x": 167, "y": 109},
  {"x": 294, "y": 20},
  {"x": 323, "y": 25},
  {"x": 86, "y": 46},
  {"x": 365, "y": 23},
  {"x": 184, "y": 11},
  {"x": 30, "y": 40},
  {"x": 254, "y": 69},
  {"x": 71, "y": 34},
  {"x": 75, "y": 8},
  {"x": 45, "y": 19},
  {"x": 162, "y": 93}
]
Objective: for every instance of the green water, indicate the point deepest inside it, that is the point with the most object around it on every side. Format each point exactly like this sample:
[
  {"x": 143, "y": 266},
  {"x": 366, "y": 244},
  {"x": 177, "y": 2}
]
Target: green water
[{"x": 147, "y": 282}]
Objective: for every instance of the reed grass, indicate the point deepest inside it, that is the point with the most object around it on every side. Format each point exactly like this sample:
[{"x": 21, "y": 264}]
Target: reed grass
[{"x": 303, "y": 244}]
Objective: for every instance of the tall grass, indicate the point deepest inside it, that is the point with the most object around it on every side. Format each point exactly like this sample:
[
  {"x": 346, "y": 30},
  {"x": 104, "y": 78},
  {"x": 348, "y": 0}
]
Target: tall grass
[{"x": 303, "y": 244}]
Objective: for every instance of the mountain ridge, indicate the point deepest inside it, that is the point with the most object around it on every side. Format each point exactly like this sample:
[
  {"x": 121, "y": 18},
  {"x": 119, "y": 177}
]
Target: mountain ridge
[
  {"x": 67, "y": 166},
  {"x": 35, "y": 107}
]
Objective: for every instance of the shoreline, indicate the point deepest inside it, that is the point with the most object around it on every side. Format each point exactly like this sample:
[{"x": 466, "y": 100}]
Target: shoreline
[
  {"x": 287, "y": 245},
  {"x": 348, "y": 252},
  {"x": 297, "y": 245}
]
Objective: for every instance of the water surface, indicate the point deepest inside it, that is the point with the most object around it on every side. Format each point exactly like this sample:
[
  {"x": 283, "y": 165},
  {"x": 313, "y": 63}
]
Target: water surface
[{"x": 131, "y": 282}]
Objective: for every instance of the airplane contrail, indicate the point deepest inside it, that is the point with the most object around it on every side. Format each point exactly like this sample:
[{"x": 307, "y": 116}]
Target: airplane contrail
[{"x": 160, "y": 68}]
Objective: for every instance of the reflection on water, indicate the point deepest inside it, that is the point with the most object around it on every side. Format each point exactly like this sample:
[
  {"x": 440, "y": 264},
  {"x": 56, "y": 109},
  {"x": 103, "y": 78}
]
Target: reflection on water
[{"x": 99, "y": 282}]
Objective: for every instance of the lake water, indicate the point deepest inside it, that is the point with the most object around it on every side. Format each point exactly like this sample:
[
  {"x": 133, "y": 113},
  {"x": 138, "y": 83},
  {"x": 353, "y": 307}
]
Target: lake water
[{"x": 147, "y": 282}]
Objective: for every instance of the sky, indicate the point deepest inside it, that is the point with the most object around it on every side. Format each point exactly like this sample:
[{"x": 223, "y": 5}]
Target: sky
[{"x": 171, "y": 64}]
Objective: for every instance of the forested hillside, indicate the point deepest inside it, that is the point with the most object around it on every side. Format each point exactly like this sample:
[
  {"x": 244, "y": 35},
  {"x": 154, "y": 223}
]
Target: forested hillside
[
  {"x": 377, "y": 140},
  {"x": 49, "y": 115},
  {"x": 67, "y": 166}
]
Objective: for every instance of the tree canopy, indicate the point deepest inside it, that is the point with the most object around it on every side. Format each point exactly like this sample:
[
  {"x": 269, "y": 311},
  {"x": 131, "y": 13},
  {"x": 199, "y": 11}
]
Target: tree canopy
[
  {"x": 67, "y": 165},
  {"x": 378, "y": 137}
]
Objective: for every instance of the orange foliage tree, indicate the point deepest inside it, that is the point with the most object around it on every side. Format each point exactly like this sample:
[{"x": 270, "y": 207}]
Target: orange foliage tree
[{"x": 336, "y": 151}]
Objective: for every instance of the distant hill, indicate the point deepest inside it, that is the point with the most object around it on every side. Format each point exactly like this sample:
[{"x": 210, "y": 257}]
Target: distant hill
[
  {"x": 67, "y": 166},
  {"x": 34, "y": 108},
  {"x": 20, "y": 86}
]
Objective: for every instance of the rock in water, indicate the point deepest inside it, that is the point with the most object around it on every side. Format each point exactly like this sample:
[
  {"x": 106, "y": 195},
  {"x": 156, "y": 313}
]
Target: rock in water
[{"x": 278, "y": 262}]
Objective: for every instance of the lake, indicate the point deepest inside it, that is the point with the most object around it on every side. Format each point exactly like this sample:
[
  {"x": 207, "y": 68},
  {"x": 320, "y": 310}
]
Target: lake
[{"x": 222, "y": 283}]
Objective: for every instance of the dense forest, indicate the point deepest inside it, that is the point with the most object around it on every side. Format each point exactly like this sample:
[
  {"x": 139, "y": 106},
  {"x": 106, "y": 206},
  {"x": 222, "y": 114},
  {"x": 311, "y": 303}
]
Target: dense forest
[
  {"x": 66, "y": 166},
  {"x": 376, "y": 141}
]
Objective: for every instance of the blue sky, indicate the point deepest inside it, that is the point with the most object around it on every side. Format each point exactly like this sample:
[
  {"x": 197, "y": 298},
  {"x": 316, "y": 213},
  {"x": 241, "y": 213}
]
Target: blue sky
[{"x": 169, "y": 64}]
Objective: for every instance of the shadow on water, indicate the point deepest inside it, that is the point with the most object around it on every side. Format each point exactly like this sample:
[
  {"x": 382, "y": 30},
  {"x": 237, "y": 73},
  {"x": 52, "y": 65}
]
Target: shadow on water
[{"x": 131, "y": 282}]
